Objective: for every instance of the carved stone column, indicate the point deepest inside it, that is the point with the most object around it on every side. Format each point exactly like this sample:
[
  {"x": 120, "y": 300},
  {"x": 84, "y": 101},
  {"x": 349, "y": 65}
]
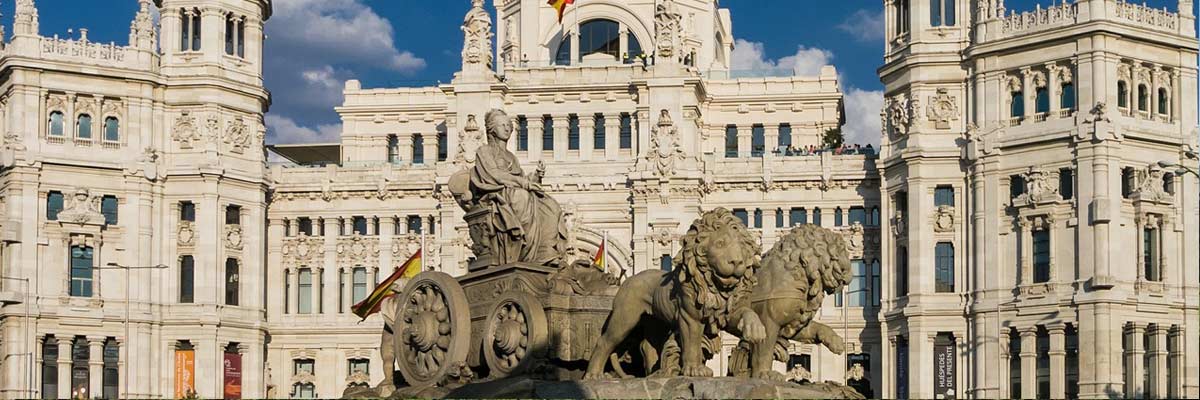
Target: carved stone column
[
  {"x": 1054, "y": 88},
  {"x": 744, "y": 134},
  {"x": 293, "y": 226},
  {"x": 587, "y": 136},
  {"x": 612, "y": 135},
  {"x": 1029, "y": 363},
  {"x": 562, "y": 127},
  {"x": 537, "y": 129},
  {"x": 95, "y": 366},
  {"x": 1058, "y": 361},
  {"x": 1158, "y": 361},
  {"x": 1028, "y": 91},
  {"x": 771, "y": 138},
  {"x": 1134, "y": 353}
]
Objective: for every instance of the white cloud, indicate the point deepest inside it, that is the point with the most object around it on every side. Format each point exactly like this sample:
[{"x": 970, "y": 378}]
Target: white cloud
[
  {"x": 807, "y": 61},
  {"x": 286, "y": 130},
  {"x": 864, "y": 25},
  {"x": 313, "y": 47},
  {"x": 862, "y": 116}
]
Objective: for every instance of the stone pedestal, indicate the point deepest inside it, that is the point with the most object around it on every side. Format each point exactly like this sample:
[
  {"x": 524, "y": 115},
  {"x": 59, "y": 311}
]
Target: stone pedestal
[{"x": 648, "y": 388}]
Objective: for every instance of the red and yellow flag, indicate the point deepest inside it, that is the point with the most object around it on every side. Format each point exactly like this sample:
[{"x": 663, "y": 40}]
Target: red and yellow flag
[
  {"x": 600, "y": 259},
  {"x": 370, "y": 305},
  {"x": 560, "y": 6}
]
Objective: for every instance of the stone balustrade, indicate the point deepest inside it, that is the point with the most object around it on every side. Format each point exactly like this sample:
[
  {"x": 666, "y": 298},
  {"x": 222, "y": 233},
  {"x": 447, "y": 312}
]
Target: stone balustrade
[
  {"x": 1144, "y": 16},
  {"x": 1067, "y": 13},
  {"x": 1039, "y": 19}
]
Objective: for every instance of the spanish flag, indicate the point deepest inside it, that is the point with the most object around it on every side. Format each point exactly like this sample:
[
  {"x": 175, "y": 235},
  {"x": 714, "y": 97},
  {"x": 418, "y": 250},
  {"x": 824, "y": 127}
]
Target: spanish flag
[
  {"x": 370, "y": 305},
  {"x": 599, "y": 260},
  {"x": 560, "y": 6}
]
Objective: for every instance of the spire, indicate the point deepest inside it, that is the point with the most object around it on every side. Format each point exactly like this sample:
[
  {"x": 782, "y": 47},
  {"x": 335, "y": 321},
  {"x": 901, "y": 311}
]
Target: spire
[
  {"x": 141, "y": 30},
  {"x": 25, "y": 21}
]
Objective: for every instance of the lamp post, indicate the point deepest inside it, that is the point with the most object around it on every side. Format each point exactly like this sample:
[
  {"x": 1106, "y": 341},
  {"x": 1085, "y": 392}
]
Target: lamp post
[
  {"x": 27, "y": 339},
  {"x": 1181, "y": 170},
  {"x": 128, "y": 337}
]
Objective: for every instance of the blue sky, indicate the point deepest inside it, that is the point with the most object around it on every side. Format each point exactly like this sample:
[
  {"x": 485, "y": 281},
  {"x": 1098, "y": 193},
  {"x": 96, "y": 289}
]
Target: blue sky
[{"x": 313, "y": 46}]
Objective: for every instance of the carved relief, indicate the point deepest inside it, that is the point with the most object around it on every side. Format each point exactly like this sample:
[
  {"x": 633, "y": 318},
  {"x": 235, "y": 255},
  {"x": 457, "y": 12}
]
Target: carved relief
[
  {"x": 303, "y": 250},
  {"x": 477, "y": 32},
  {"x": 186, "y": 131},
  {"x": 943, "y": 219},
  {"x": 899, "y": 114},
  {"x": 82, "y": 208},
  {"x": 668, "y": 29},
  {"x": 212, "y": 126},
  {"x": 186, "y": 234},
  {"x": 1148, "y": 185},
  {"x": 1040, "y": 187},
  {"x": 664, "y": 153},
  {"x": 233, "y": 237},
  {"x": 943, "y": 108},
  {"x": 237, "y": 136},
  {"x": 358, "y": 250}
]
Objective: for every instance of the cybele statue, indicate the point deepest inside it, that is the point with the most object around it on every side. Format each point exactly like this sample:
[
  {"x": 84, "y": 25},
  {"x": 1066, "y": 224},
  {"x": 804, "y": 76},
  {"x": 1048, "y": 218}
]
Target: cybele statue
[{"x": 525, "y": 321}]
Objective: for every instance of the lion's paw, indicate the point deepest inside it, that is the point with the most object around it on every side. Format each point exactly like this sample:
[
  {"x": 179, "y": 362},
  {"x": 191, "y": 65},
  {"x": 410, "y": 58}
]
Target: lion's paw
[
  {"x": 698, "y": 370},
  {"x": 835, "y": 344}
]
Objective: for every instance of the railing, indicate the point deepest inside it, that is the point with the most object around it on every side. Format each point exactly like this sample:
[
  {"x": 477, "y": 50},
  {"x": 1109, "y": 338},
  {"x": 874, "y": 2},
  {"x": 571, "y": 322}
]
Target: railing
[
  {"x": 83, "y": 49},
  {"x": 1040, "y": 117},
  {"x": 1040, "y": 18},
  {"x": 1146, "y": 16},
  {"x": 107, "y": 144},
  {"x": 1065, "y": 113},
  {"x": 1014, "y": 121},
  {"x": 55, "y": 139}
]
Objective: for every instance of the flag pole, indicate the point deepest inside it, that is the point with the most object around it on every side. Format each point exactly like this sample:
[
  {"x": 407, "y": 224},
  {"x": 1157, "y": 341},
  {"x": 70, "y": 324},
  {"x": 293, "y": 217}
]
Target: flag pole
[{"x": 422, "y": 250}]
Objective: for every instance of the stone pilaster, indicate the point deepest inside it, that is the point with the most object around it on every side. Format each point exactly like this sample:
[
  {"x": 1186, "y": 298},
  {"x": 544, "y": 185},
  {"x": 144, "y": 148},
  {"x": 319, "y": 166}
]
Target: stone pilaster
[
  {"x": 1029, "y": 363},
  {"x": 1058, "y": 361}
]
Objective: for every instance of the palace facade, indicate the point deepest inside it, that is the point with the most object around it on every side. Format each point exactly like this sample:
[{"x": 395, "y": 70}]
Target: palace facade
[{"x": 1012, "y": 236}]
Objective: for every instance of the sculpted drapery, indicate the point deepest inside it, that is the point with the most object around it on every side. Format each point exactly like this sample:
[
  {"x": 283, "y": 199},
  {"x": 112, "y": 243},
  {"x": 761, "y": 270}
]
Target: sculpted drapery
[{"x": 528, "y": 224}]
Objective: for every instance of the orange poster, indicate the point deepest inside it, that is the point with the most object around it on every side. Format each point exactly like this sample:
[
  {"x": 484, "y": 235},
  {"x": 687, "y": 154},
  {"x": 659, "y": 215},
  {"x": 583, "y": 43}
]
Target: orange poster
[{"x": 185, "y": 373}]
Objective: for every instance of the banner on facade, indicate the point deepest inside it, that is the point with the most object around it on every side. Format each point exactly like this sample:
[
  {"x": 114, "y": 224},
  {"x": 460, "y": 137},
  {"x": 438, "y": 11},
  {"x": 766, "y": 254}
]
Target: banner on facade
[
  {"x": 185, "y": 373},
  {"x": 945, "y": 366},
  {"x": 233, "y": 376}
]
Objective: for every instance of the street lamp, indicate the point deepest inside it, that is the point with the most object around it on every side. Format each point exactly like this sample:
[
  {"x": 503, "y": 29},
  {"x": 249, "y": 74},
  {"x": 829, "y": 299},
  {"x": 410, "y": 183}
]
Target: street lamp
[
  {"x": 1180, "y": 170},
  {"x": 28, "y": 351},
  {"x": 128, "y": 337}
]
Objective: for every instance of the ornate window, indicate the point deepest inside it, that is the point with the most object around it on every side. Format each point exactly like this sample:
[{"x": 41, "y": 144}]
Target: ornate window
[
  {"x": 798, "y": 216},
  {"x": 304, "y": 295},
  {"x": 547, "y": 133},
  {"x": 1018, "y": 104},
  {"x": 418, "y": 149},
  {"x": 1143, "y": 99},
  {"x": 189, "y": 33},
  {"x": 758, "y": 141},
  {"x": 626, "y": 131},
  {"x": 1067, "y": 96},
  {"x": 112, "y": 129},
  {"x": 81, "y": 375},
  {"x": 232, "y": 277},
  {"x": 941, "y": 13},
  {"x": 858, "y": 215},
  {"x": 108, "y": 207},
  {"x": 1164, "y": 102},
  {"x": 600, "y": 36},
  {"x": 83, "y": 127},
  {"x": 903, "y": 16},
  {"x": 522, "y": 133},
  {"x": 49, "y": 367},
  {"x": 359, "y": 290},
  {"x": 81, "y": 271},
  {"x": 1122, "y": 94},
  {"x": 360, "y": 367},
  {"x": 731, "y": 141},
  {"x": 414, "y": 224},
  {"x": 944, "y": 268},
  {"x": 304, "y": 389},
  {"x": 943, "y": 195},
  {"x": 235, "y": 35},
  {"x": 54, "y": 205},
  {"x": 187, "y": 279},
  {"x": 111, "y": 373},
  {"x": 573, "y": 132},
  {"x": 1042, "y": 98},
  {"x": 359, "y": 224},
  {"x": 600, "y": 133},
  {"x": 56, "y": 123},
  {"x": 1041, "y": 256}
]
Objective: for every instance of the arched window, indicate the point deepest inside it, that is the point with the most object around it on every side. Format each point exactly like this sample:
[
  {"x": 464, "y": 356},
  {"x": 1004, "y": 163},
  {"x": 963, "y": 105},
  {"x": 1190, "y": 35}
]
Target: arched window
[
  {"x": 1067, "y": 98},
  {"x": 196, "y": 24},
  {"x": 81, "y": 271},
  {"x": 83, "y": 128},
  {"x": 112, "y": 129},
  {"x": 1018, "y": 104},
  {"x": 1164, "y": 102},
  {"x": 1042, "y": 104},
  {"x": 56, "y": 123},
  {"x": 1122, "y": 94},
  {"x": 599, "y": 36},
  {"x": 1143, "y": 98},
  {"x": 230, "y": 34}
]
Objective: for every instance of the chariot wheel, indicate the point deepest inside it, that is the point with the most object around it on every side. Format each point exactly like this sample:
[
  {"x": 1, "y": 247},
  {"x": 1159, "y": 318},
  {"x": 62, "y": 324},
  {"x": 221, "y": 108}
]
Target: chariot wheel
[
  {"x": 515, "y": 334},
  {"x": 432, "y": 328}
]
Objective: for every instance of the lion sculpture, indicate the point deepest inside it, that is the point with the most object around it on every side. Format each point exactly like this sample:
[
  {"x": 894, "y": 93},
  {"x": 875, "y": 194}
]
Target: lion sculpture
[
  {"x": 686, "y": 308},
  {"x": 803, "y": 266}
]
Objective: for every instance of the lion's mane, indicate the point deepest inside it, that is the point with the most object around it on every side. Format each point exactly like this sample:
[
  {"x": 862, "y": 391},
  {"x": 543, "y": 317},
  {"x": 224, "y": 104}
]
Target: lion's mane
[{"x": 696, "y": 278}]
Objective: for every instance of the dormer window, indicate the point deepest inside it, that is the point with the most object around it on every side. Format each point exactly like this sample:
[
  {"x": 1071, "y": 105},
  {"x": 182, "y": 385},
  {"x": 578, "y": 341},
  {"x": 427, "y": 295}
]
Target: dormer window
[{"x": 941, "y": 13}]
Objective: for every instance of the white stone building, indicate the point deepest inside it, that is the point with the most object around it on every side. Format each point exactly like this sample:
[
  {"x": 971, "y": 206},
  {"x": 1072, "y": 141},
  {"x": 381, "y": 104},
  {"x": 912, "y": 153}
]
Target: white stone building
[{"x": 241, "y": 260}]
